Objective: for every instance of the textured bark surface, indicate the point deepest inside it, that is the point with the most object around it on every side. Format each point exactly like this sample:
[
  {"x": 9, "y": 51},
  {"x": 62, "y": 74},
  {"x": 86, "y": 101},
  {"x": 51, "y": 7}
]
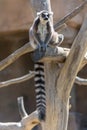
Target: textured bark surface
[{"x": 57, "y": 107}]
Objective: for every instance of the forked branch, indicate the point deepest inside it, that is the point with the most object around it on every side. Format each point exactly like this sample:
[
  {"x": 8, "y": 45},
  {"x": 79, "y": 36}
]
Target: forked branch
[{"x": 28, "y": 121}]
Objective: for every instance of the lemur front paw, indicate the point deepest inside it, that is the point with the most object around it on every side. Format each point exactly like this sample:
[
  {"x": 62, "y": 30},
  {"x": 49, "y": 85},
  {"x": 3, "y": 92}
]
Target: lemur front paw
[{"x": 42, "y": 48}]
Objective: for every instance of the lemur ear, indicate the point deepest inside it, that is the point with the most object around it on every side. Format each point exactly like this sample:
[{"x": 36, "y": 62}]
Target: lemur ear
[
  {"x": 38, "y": 13},
  {"x": 51, "y": 13}
]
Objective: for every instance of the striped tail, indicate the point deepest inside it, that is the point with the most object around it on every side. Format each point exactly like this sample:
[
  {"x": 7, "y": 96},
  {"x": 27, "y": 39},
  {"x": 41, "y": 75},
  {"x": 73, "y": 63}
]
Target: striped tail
[{"x": 40, "y": 90}]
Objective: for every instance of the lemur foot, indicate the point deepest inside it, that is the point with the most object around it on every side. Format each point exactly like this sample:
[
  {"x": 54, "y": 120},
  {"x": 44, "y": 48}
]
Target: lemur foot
[
  {"x": 57, "y": 40},
  {"x": 60, "y": 38}
]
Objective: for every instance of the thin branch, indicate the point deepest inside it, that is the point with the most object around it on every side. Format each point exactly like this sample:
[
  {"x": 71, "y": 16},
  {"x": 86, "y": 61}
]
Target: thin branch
[
  {"x": 17, "y": 80},
  {"x": 11, "y": 126},
  {"x": 21, "y": 107},
  {"x": 61, "y": 24},
  {"x": 14, "y": 56},
  {"x": 80, "y": 81}
]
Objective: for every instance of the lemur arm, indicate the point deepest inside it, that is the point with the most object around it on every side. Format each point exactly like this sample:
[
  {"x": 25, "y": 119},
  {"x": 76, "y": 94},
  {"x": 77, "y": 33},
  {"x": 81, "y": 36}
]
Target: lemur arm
[
  {"x": 49, "y": 34},
  {"x": 33, "y": 35}
]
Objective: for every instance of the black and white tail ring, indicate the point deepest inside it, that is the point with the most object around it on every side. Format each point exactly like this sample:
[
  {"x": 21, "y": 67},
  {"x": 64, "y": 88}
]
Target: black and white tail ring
[{"x": 40, "y": 90}]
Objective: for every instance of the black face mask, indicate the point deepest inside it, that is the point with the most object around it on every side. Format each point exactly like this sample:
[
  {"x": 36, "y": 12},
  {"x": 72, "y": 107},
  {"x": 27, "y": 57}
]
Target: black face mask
[{"x": 45, "y": 16}]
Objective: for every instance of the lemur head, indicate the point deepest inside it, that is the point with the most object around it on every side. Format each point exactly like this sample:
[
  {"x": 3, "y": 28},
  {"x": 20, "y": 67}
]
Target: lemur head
[{"x": 44, "y": 16}]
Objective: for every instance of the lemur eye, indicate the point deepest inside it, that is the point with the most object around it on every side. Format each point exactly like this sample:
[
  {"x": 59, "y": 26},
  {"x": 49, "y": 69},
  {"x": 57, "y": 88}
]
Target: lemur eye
[
  {"x": 48, "y": 15},
  {"x": 43, "y": 15}
]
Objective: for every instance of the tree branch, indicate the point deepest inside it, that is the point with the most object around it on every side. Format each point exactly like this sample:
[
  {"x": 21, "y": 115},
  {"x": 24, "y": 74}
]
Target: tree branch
[
  {"x": 58, "y": 54},
  {"x": 61, "y": 24},
  {"x": 80, "y": 81},
  {"x": 21, "y": 107},
  {"x": 11, "y": 126},
  {"x": 17, "y": 80},
  {"x": 28, "y": 121},
  {"x": 14, "y": 56},
  {"x": 73, "y": 62}
]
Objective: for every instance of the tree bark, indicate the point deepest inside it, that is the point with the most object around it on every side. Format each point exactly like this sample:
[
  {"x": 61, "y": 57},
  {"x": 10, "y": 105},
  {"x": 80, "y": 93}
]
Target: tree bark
[
  {"x": 59, "y": 85},
  {"x": 57, "y": 109}
]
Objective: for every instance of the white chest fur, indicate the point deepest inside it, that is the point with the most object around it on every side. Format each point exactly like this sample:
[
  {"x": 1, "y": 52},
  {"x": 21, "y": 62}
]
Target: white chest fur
[{"x": 42, "y": 30}]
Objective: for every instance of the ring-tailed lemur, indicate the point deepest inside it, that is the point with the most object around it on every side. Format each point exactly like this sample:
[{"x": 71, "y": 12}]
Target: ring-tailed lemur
[{"x": 41, "y": 34}]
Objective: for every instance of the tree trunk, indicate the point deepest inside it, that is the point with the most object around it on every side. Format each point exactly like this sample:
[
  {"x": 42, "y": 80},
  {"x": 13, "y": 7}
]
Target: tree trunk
[{"x": 57, "y": 102}]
